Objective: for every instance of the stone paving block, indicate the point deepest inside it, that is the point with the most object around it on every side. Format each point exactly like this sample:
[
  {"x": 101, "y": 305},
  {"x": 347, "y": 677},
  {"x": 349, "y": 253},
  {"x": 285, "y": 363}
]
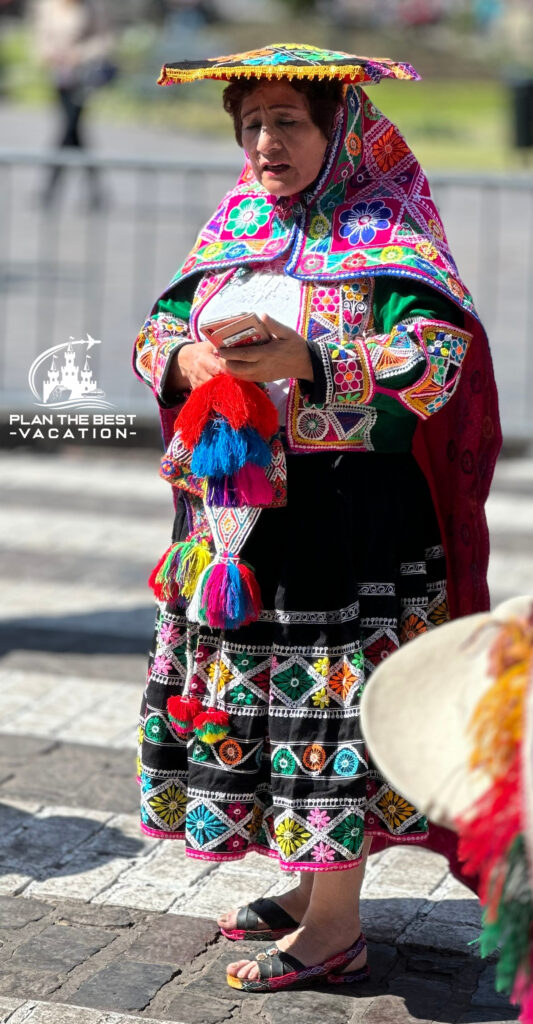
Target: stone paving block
[
  {"x": 49, "y": 837},
  {"x": 61, "y": 947},
  {"x": 220, "y": 890},
  {"x": 416, "y": 873},
  {"x": 188, "y": 1008},
  {"x": 122, "y": 837},
  {"x": 123, "y": 985},
  {"x": 69, "y": 769},
  {"x": 391, "y": 1009},
  {"x": 138, "y": 896},
  {"x": 311, "y": 1005},
  {"x": 485, "y": 993},
  {"x": 15, "y": 750},
  {"x": 8, "y": 1007},
  {"x": 58, "y": 1013},
  {"x": 103, "y": 917},
  {"x": 28, "y": 983},
  {"x": 115, "y": 792},
  {"x": 11, "y": 882},
  {"x": 384, "y": 920},
  {"x": 80, "y": 878},
  {"x": 15, "y": 816},
  {"x": 382, "y": 959},
  {"x": 16, "y": 912},
  {"x": 173, "y": 940},
  {"x": 461, "y": 912},
  {"x": 487, "y": 1016},
  {"x": 440, "y": 935},
  {"x": 428, "y": 997}
]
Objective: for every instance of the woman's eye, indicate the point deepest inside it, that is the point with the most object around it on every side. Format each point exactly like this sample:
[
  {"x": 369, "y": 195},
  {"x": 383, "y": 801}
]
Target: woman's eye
[{"x": 250, "y": 127}]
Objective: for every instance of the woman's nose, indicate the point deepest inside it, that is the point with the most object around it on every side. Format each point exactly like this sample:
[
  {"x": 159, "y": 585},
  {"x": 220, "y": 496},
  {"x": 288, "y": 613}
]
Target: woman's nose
[{"x": 267, "y": 137}]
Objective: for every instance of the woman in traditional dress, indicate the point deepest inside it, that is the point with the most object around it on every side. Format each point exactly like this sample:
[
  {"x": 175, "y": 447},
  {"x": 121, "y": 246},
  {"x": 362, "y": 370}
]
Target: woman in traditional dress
[{"x": 371, "y": 528}]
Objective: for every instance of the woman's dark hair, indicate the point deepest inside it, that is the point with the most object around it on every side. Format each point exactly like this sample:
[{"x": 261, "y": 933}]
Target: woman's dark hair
[{"x": 323, "y": 98}]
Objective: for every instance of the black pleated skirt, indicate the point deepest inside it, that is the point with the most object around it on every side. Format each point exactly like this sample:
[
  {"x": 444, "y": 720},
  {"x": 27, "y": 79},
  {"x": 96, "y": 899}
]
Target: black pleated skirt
[{"x": 352, "y": 568}]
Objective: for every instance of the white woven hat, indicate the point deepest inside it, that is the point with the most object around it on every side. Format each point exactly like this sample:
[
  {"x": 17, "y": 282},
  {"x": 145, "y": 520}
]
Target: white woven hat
[{"x": 416, "y": 708}]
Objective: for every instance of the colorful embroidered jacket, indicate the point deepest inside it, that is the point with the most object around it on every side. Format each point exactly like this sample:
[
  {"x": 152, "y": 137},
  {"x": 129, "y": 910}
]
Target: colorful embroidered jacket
[{"x": 383, "y": 358}]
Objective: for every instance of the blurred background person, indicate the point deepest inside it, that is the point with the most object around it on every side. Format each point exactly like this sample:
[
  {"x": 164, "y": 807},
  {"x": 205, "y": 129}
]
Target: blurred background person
[{"x": 73, "y": 40}]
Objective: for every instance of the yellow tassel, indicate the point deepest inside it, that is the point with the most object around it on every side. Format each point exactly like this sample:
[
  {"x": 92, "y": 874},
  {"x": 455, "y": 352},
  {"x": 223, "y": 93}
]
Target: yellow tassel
[{"x": 192, "y": 564}]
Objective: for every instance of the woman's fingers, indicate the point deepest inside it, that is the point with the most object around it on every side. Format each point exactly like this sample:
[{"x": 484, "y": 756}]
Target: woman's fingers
[{"x": 274, "y": 327}]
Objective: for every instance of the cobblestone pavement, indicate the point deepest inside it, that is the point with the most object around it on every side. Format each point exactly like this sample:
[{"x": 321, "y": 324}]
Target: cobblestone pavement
[{"x": 99, "y": 925}]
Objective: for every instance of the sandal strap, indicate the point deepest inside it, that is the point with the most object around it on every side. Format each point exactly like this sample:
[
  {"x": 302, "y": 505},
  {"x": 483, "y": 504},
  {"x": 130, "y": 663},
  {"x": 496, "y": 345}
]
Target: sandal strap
[
  {"x": 358, "y": 946},
  {"x": 250, "y": 917},
  {"x": 274, "y": 963}
]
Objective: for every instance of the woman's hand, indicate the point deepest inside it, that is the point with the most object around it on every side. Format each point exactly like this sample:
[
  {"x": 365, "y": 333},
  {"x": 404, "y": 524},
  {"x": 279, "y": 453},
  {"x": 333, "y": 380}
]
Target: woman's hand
[
  {"x": 193, "y": 365},
  {"x": 285, "y": 355}
]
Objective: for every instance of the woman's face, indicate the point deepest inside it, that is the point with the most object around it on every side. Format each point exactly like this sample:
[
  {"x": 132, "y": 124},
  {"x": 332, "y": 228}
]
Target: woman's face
[{"x": 286, "y": 148}]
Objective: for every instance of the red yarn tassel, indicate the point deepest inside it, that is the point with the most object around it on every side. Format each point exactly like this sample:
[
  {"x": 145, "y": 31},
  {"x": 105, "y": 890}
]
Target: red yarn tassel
[
  {"x": 241, "y": 403},
  {"x": 181, "y": 711}
]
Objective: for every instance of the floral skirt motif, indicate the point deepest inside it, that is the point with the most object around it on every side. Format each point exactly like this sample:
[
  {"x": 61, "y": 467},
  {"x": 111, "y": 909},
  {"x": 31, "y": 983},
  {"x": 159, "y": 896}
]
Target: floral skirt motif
[{"x": 351, "y": 569}]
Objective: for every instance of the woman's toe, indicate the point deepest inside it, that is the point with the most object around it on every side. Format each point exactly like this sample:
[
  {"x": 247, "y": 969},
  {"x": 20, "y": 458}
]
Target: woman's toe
[
  {"x": 248, "y": 971},
  {"x": 236, "y": 966}
]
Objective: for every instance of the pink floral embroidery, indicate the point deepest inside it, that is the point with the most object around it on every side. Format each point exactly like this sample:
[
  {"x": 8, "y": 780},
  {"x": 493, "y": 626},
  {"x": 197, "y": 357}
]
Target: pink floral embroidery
[
  {"x": 162, "y": 664},
  {"x": 197, "y": 686},
  {"x": 322, "y": 852},
  {"x": 318, "y": 818},
  {"x": 169, "y": 633}
]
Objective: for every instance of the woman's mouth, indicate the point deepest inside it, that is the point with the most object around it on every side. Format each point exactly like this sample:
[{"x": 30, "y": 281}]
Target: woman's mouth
[{"x": 275, "y": 169}]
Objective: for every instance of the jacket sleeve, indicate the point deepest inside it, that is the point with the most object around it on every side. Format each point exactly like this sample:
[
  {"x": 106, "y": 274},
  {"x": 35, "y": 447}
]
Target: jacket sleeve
[
  {"x": 409, "y": 362},
  {"x": 160, "y": 338}
]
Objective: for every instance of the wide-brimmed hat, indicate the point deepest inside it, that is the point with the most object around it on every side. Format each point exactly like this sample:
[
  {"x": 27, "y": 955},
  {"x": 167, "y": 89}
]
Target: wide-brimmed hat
[
  {"x": 288, "y": 60},
  {"x": 417, "y": 708},
  {"x": 449, "y": 720}
]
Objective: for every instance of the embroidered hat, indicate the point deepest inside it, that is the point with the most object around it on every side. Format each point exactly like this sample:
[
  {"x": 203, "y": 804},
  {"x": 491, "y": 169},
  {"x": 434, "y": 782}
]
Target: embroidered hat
[
  {"x": 449, "y": 721},
  {"x": 288, "y": 60}
]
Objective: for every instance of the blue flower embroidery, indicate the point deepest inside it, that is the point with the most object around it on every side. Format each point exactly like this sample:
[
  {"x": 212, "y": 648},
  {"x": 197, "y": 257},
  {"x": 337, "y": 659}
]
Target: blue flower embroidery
[
  {"x": 203, "y": 825},
  {"x": 363, "y": 220},
  {"x": 346, "y": 762}
]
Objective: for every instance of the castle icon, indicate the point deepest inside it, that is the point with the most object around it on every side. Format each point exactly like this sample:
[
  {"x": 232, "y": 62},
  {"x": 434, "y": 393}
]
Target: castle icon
[{"x": 67, "y": 382}]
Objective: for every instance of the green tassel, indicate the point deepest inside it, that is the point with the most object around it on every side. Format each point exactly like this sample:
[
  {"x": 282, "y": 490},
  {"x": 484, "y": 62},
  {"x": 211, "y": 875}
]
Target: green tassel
[{"x": 511, "y": 929}]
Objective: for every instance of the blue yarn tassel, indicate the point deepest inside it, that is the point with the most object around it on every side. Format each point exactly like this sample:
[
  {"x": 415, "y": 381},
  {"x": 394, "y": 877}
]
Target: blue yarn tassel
[{"x": 221, "y": 451}]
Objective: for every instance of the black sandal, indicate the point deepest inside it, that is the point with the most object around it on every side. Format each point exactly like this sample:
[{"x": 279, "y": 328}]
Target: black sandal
[
  {"x": 280, "y": 970},
  {"x": 249, "y": 926}
]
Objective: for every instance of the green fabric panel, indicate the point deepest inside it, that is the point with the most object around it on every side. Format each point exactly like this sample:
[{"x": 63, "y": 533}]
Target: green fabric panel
[
  {"x": 398, "y": 298},
  {"x": 178, "y": 300}
]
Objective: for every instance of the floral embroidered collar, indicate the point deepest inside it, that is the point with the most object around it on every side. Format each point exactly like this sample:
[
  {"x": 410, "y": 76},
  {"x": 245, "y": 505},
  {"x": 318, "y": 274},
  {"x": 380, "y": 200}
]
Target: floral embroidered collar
[{"x": 369, "y": 213}]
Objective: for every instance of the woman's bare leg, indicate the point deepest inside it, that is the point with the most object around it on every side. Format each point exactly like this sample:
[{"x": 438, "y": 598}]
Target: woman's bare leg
[
  {"x": 295, "y": 901},
  {"x": 330, "y": 924}
]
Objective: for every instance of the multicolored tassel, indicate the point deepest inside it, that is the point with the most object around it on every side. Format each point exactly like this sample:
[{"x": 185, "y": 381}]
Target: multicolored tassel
[
  {"x": 177, "y": 572},
  {"x": 230, "y": 594},
  {"x": 211, "y": 726},
  {"x": 163, "y": 578}
]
